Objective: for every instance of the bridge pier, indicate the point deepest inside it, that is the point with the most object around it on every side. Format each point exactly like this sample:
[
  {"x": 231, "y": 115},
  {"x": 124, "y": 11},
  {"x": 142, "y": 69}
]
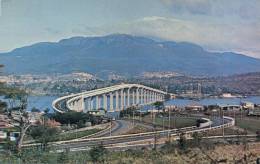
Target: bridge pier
[
  {"x": 82, "y": 104},
  {"x": 124, "y": 99},
  {"x": 142, "y": 96},
  {"x": 145, "y": 97},
  {"x": 150, "y": 97},
  {"x": 105, "y": 102},
  {"x": 137, "y": 96},
  {"x": 121, "y": 99},
  {"x": 91, "y": 103},
  {"x": 133, "y": 97},
  {"x": 97, "y": 102},
  {"x": 126, "y": 95},
  {"x": 111, "y": 104},
  {"x": 117, "y": 101}
]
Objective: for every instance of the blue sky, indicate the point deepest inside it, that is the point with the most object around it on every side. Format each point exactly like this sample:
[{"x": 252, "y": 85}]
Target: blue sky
[{"x": 217, "y": 25}]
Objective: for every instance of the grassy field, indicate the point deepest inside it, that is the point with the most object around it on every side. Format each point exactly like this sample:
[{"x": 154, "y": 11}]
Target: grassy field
[
  {"x": 70, "y": 136},
  {"x": 138, "y": 129},
  {"x": 67, "y": 136},
  {"x": 177, "y": 122},
  {"x": 252, "y": 125}
]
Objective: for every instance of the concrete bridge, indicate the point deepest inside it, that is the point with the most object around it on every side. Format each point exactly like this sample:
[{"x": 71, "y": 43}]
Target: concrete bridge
[{"x": 111, "y": 99}]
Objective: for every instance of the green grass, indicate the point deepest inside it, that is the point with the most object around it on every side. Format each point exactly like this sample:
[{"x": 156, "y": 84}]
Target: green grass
[
  {"x": 70, "y": 136},
  {"x": 251, "y": 125},
  {"x": 177, "y": 122}
]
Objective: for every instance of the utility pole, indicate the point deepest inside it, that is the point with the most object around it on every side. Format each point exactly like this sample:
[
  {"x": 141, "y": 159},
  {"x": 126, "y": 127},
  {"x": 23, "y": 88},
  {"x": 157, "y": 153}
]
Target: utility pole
[
  {"x": 155, "y": 137},
  {"x": 234, "y": 115},
  {"x": 169, "y": 123},
  {"x": 223, "y": 122},
  {"x": 241, "y": 113},
  {"x": 175, "y": 121},
  {"x": 140, "y": 115},
  {"x": 199, "y": 91},
  {"x": 76, "y": 131},
  {"x": 153, "y": 116},
  {"x": 169, "y": 119},
  {"x": 155, "y": 141},
  {"x": 110, "y": 131},
  {"x": 133, "y": 119},
  {"x": 163, "y": 122}
]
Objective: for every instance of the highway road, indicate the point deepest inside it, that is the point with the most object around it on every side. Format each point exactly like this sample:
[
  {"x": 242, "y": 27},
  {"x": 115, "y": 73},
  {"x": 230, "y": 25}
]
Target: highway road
[
  {"x": 118, "y": 127},
  {"x": 123, "y": 139},
  {"x": 126, "y": 139}
]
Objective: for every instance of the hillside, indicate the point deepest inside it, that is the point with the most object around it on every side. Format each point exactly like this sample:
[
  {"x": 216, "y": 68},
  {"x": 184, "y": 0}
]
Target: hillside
[
  {"x": 243, "y": 84},
  {"x": 124, "y": 55}
]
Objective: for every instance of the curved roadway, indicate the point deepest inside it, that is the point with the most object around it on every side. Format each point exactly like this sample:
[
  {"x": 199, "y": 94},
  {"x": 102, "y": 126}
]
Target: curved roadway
[
  {"x": 123, "y": 139},
  {"x": 121, "y": 126},
  {"x": 69, "y": 98}
]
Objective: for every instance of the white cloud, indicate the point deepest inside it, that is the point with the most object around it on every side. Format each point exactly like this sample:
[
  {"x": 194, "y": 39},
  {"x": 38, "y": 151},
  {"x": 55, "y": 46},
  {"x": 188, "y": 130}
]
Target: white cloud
[
  {"x": 193, "y": 6},
  {"x": 212, "y": 36},
  {"x": 219, "y": 25},
  {"x": 1, "y": 8},
  {"x": 239, "y": 9}
]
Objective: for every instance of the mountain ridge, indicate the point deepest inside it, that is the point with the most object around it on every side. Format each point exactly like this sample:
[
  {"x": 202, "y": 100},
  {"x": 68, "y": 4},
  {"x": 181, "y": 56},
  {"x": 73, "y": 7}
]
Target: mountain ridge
[{"x": 124, "y": 55}]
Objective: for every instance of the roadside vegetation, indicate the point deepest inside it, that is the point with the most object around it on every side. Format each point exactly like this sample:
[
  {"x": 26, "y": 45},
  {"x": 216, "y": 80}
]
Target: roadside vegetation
[
  {"x": 75, "y": 135},
  {"x": 197, "y": 150},
  {"x": 160, "y": 118},
  {"x": 175, "y": 122},
  {"x": 48, "y": 128},
  {"x": 250, "y": 124}
]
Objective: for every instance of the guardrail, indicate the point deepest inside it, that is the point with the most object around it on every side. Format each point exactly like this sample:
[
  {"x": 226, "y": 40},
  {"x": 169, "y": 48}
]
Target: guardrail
[
  {"x": 172, "y": 132},
  {"x": 225, "y": 125},
  {"x": 98, "y": 133},
  {"x": 205, "y": 124}
]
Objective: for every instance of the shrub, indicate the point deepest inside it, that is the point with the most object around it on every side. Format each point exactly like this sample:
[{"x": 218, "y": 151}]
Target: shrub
[{"x": 97, "y": 153}]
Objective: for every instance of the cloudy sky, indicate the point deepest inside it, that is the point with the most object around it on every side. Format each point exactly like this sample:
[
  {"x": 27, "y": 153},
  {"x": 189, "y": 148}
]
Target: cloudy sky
[{"x": 217, "y": 25}]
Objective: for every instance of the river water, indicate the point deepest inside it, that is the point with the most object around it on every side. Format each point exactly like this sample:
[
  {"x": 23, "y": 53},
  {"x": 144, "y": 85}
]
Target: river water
[
  {"x": 214, "y": 101},
  {"x": 43, "y": 102}
]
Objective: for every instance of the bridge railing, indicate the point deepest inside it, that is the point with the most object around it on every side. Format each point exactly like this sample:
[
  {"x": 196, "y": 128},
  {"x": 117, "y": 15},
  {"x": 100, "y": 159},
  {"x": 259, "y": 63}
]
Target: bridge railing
[{"x": 73, "y": 97}]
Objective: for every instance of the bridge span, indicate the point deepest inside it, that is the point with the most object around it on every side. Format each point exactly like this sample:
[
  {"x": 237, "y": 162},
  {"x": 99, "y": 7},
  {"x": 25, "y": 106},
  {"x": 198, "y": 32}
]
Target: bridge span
[{"x": 111, "y": 99}]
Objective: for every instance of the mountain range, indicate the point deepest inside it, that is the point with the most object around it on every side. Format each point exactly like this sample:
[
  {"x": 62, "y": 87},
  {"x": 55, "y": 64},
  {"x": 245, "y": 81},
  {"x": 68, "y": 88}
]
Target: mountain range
[{"x": 125, "y": 55}]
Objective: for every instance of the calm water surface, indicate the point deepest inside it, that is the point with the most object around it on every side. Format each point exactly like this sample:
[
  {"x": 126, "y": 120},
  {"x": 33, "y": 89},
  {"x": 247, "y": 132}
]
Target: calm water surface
[
  {"x": 214, "y": 101},
  {"x": 43, "y": 102}
]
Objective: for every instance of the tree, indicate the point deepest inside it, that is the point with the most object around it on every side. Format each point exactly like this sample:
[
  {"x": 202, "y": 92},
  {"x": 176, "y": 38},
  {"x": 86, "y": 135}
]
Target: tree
[
  {"x": 182, "y": 142},
  {"x": 197, "y": 137},
  {"x": 17, "y": 113},
  {"x": 63, "y": 156},
  {"x": 1, "y": 66},
  {"x": 258, "y": 135},
  {"x": 46, "y": 111},
  {"x": 130, "y": 111},
  {"x": 71, "y": 117},
  {"x": 15, "y": 109},
  {"x": 167, "y": 97},
  {"x": 97, "y": 153},
  {"x": 158, "y": 105},
  {"x": 3, "y": 106},
  {"x": 244, "y": 140},
  {"x": 35, "y": 110},
  {"x": 43, "y": 134}
]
